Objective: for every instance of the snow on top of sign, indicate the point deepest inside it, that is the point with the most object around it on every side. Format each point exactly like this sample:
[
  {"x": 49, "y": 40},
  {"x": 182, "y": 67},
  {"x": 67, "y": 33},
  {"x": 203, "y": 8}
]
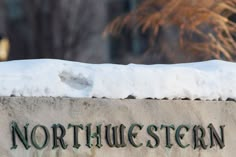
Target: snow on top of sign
[{"x": 210, "y": 80}]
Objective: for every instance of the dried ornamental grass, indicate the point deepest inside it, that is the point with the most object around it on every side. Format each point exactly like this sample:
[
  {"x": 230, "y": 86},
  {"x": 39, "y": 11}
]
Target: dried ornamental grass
[{"x": 204, "y": 25}]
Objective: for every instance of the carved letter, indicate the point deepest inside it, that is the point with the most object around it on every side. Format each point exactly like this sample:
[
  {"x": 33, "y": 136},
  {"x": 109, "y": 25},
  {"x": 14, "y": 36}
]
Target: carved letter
[
  {"x": 94, "y": 135},
  {"x": 33, "y": 137},
  {"x": 56, "y": 138},
  {"x": 150, "y": 131},
  {"x": 76, "y": 130},
  {"x": 179, "y": 137},
  {"x": 22, "y": 138},
  {"x": 115, "y": 136},
  {"x": 132, "y": 135},
  {"x": 199, "y": 141},
  {"x": 214, "y": 135},
  {"x": 168, "y": 143}
]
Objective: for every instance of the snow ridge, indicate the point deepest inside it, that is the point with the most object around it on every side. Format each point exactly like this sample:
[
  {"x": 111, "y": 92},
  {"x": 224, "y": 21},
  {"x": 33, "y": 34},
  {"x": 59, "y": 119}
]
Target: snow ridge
[{"x": 210, "y": 80}]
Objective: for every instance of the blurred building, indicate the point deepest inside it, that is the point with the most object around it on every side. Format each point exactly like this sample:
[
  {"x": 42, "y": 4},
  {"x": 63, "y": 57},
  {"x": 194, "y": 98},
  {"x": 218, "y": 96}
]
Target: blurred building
[
  {"x": 65, "y": 29},
  {"x": 72, "y": 30}
]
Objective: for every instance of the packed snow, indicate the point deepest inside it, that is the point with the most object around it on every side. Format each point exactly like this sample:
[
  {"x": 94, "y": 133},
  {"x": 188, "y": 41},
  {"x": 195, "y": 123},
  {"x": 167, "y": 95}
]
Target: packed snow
[{"x": 210, "y": 80}]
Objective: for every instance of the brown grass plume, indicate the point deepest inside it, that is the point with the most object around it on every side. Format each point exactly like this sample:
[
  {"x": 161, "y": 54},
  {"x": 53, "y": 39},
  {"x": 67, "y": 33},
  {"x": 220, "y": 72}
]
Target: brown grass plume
[{"x": 203, "y": 28}]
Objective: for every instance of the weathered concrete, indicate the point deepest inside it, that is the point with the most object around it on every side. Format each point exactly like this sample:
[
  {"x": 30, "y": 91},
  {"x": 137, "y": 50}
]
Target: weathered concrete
[{"x": 49, "y": 111}]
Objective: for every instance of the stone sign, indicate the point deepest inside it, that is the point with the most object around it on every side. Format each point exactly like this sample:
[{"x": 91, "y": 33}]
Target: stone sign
[{"x": 66, "y": 127}]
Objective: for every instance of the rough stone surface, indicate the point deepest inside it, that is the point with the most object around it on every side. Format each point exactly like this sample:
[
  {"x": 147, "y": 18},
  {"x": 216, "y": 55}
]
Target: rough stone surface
[{"x": 49, "y": 111}]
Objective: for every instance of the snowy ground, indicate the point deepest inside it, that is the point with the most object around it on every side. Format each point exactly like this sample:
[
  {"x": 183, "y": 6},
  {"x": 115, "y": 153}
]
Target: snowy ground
[{"x": 211, "y": 80}]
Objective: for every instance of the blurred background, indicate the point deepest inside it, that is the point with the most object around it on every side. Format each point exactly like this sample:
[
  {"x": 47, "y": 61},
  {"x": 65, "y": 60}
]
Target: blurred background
[{"x": 74, "y": 30}]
